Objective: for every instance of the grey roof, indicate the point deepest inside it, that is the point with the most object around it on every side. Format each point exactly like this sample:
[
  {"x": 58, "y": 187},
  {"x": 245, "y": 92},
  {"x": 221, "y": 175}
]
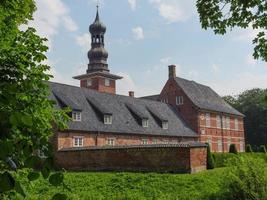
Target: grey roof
[
  {"x": 123, "y": 120},
  {"x": 151, "y": 97},
  {"x": 204, "y": 97}
]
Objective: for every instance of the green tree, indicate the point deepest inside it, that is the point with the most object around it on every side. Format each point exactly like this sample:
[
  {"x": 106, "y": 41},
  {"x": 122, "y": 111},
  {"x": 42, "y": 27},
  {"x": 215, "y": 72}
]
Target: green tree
[
  {"x": 224, "y": 15},
  {"x": 210, "y": 159},
  {"x": 233, "y": 149},
  {"x": 248, "y": 148},
  {"x": 250, "y": 103},
  {"x": 27, "y": 116}
]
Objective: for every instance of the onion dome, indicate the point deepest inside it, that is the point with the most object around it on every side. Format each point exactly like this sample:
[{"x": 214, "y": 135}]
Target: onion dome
[
  {"x": 97, "y": 53},
  {"x": 97, "y": 26}
]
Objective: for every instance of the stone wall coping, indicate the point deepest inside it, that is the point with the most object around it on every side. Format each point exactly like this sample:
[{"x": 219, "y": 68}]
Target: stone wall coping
[{"x": 180, "y": 145}]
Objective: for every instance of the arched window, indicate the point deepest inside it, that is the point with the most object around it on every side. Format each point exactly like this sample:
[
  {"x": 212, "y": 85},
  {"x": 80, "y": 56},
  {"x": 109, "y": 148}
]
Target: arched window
[{"x": 97, "y": 39}]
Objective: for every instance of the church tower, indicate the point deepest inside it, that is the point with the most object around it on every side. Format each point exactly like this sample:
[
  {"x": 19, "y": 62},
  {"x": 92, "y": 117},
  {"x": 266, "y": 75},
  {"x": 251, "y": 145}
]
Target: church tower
[{"x": 97, "y": 75}]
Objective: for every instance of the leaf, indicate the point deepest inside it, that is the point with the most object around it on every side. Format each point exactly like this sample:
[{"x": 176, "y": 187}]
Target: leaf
[
  {"x": 32, "y": 176},
  {"x": 27, "y": 120},
  {"x": 45, "y": 172},
  {"x": 19, "y": 189},
  {"x": 7, "y": 182},
  {"x": 32, "y": 161},
  {"x": 60, "y": 196},
  {"x": 56, "y": 179}
]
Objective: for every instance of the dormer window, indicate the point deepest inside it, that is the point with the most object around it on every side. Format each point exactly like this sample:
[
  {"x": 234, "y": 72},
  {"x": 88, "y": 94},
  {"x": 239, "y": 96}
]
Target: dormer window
[
  {"x": 107, "y": 82},
  {"x": 107, "y": 119},
  {"x": 76, "y": 116},
  {"x": 89, "y": 82},
  {"x": 145, "y": 122},
  {"x": 179, "y": 100},
  {"x": 165, "y": 125}
]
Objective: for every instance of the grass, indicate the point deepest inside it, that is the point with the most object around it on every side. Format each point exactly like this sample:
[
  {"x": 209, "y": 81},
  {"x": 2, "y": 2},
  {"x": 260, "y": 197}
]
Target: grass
[{"x": 132, "y": 186}]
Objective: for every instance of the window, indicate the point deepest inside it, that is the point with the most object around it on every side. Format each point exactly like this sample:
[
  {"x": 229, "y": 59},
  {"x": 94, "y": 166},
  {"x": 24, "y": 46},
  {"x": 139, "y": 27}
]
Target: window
[
  {"x": 236, "y": 124},
  {"x": 165, "y": 142},
  {"x": 110, "y": 141},
  {"x": 145, "y": 122},
  {"x": 78, "y": 141},
  {"x": 241, "y": 146},
  {"x": 179, "y": 100},
  {"x": 224, "y": 122},
  {"x": 228, "y": 143},
  {"x": 165, "y": 125},
  {"x": 154, "y": 141},
  {"x": 207, "y": 119},
  {"x": 202, "y": 131},
  {"x": 218, "y": 121},
  {"x": 107, "y": 82},
  {"x": 209, "y": 141},
  {"x": 76, "y": 116},
  {"x": 219, "y": 145},
  {"x": 227, "y": 122},
  {"x": 144, "y": 141},
  {"x": 107, "y": 119},
  {"x": 89, "y": 82}
]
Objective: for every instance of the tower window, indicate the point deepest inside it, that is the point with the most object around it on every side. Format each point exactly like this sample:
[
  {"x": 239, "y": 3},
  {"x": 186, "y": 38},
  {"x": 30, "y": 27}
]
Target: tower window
[
  {"x": 76, "y": 116},
  {"x": 107, "y": 82},
  {"x": 107, "y": 119}
]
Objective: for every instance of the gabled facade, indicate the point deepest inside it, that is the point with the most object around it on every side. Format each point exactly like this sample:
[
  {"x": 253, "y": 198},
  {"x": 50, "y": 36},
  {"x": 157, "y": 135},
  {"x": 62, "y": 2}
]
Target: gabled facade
[{"x": 215, "y": 121}]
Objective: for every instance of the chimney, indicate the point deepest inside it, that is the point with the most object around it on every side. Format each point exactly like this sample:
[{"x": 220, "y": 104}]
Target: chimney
[
  {"x": 131, "y": 93},
  {"x": 172, "y": 71}
]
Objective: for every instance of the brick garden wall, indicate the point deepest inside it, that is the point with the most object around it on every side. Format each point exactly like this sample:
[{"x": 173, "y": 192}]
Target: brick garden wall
[{"x": 153, "y": 158}]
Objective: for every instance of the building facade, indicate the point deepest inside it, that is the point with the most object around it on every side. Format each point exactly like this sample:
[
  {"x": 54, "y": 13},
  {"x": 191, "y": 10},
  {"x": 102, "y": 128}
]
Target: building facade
[{"x": 184, "y": 111}]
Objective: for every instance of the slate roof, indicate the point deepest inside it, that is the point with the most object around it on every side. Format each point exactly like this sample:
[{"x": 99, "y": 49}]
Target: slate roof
[
  {"x": 204, "y": 97},
  {"x": 93, "y": 104},
  {"x": 151, "y": 97}
]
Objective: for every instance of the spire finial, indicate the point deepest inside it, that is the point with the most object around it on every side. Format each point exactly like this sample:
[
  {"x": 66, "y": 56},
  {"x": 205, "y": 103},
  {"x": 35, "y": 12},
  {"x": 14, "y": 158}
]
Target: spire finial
[{"x": 97, "y": 15}]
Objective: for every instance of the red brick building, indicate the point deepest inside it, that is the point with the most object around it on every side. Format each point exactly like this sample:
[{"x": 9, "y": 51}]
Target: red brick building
[{"x": 185, "y": 112}]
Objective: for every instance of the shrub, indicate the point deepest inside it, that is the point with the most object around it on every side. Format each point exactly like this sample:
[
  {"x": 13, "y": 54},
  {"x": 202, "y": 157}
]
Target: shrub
[
  {"x": 233, "y": 149},
  {"x": 245, "y": 179},
  {"x": 210, "y": 160},
  {"x": 248, "y": 148},
  {"x": 221, "y": 159},
  {"x": 263, "y": 149}
]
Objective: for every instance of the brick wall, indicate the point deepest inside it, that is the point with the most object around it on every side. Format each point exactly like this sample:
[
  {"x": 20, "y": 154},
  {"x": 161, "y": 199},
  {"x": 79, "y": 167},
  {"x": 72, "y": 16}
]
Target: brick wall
[
  {"x": 98, "y": 83},
  {"x": 159, "y": 158},
  {"x": 66, "y": 139}
]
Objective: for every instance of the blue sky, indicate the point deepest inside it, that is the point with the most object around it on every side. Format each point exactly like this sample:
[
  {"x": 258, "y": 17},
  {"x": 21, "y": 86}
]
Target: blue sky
[{"x": 143, "y": 37}]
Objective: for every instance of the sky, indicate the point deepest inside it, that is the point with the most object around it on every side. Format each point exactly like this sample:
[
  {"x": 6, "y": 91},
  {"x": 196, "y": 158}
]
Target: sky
[{"x": 143, "y": 37}]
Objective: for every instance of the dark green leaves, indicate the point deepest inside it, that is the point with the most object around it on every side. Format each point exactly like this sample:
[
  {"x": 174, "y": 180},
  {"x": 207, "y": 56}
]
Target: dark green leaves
[
  {"x": 19, "y": 189},
  {"x": 32, "y": 176},
  {"x": 7, "y": 182},
  {"x": 56, "y": 179},
  {"x": 59, "y": 196}
]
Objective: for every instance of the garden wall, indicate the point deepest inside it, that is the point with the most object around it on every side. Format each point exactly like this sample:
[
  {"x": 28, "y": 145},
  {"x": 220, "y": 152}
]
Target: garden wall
[{"x": 179, "y": 158}]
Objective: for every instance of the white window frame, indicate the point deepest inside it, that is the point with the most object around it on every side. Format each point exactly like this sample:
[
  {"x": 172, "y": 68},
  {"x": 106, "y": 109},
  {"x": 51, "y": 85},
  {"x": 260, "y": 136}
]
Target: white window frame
[
  {"x": 145, "y": 123},
  {"x": 218, "y": 121},
  {"x": 207, "y": 119},
  {"x": 107, "y": 119},
  {"x": 107, "y": 82},
  {"x": 78, "y": 141},
  {"x": 76, "y": 116},
  {"x": 219, "y": 145},
  {"x": 202, "y": 132},
  {"x": 144, "y": 141},
  {"x": 241, "y": 144},
  {"x": 179, "y": 100},
  {"x": 165, "y": 141},
  {"x": 111, "y": 141},
  {"x": 236, "y": 124},
  {"x": 89, "y": 82},
  {"x": 223, "y": 122},
  {"x": 165, "y": 125},
  {"x": 228, "y": 122},
  {"x": 154, "y": 141}
]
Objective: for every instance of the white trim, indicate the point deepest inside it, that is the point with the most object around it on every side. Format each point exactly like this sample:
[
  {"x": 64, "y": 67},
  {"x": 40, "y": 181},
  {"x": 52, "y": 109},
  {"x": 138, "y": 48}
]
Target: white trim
[
  {"x": 179, "y": 100},
  {"x": 165, "y": 125},
  {"x": 111, "y": 141},
  {"x": 144, "y": 141},
  {"x": 107, "y": 119},
  {"x": 107, "y": 82},
  {"x": 207, "y": 119},
  {"x": 76, "y": 116},
  {"x": 145, "y": 123},
  {"x": 79, "y": 141}
]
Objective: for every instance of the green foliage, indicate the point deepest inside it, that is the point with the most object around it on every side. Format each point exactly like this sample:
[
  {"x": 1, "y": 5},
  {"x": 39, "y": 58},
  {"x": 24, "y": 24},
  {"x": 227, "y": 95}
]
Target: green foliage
[
  {"x": 27, "y": 117},
  {"x": 224, "y": 15},
  {"x": 233, "y": 149},
  {"x": 246, "y": 178},
  {"x": 248, "y": 148},
  {"x": 210, "y": 160},
  {"x": 251, "y": 104},
  {"x": 263, "y": 149},
  {"x": 221, "y": 159}
]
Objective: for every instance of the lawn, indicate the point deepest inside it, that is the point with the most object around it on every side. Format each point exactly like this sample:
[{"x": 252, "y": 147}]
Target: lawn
[{"x": 89, "y": 185}]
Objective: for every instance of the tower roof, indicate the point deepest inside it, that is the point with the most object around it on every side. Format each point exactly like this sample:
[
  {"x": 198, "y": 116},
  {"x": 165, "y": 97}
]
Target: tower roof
[{"x": 97, "y": 26}]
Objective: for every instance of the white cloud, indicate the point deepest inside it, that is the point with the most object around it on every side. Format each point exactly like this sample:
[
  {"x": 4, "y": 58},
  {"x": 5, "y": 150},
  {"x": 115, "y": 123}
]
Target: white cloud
[
  {"x": 215, "y": 68},
  {"x": 193, "y": 74},
  {"x": 173, "y": 10},
  {"x": 138, "y": 33},
  {"x": 49, "y": 16},
  {"x": 84, "y": 41},
  {"x": 132, "y": 4},
  {"x": 166, "y": 60}
]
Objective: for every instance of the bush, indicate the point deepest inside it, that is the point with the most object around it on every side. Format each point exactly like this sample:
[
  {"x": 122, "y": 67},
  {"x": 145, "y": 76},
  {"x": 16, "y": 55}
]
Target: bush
[
  {"x": 248, "y": 148},
  {"x": 210, "y": 160},
  {"x": 245, "y": 179},
  {"x": 233, "y": 149},
  {"x": 263, "y": 149},
  {"x": 221, "y": 159}
]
